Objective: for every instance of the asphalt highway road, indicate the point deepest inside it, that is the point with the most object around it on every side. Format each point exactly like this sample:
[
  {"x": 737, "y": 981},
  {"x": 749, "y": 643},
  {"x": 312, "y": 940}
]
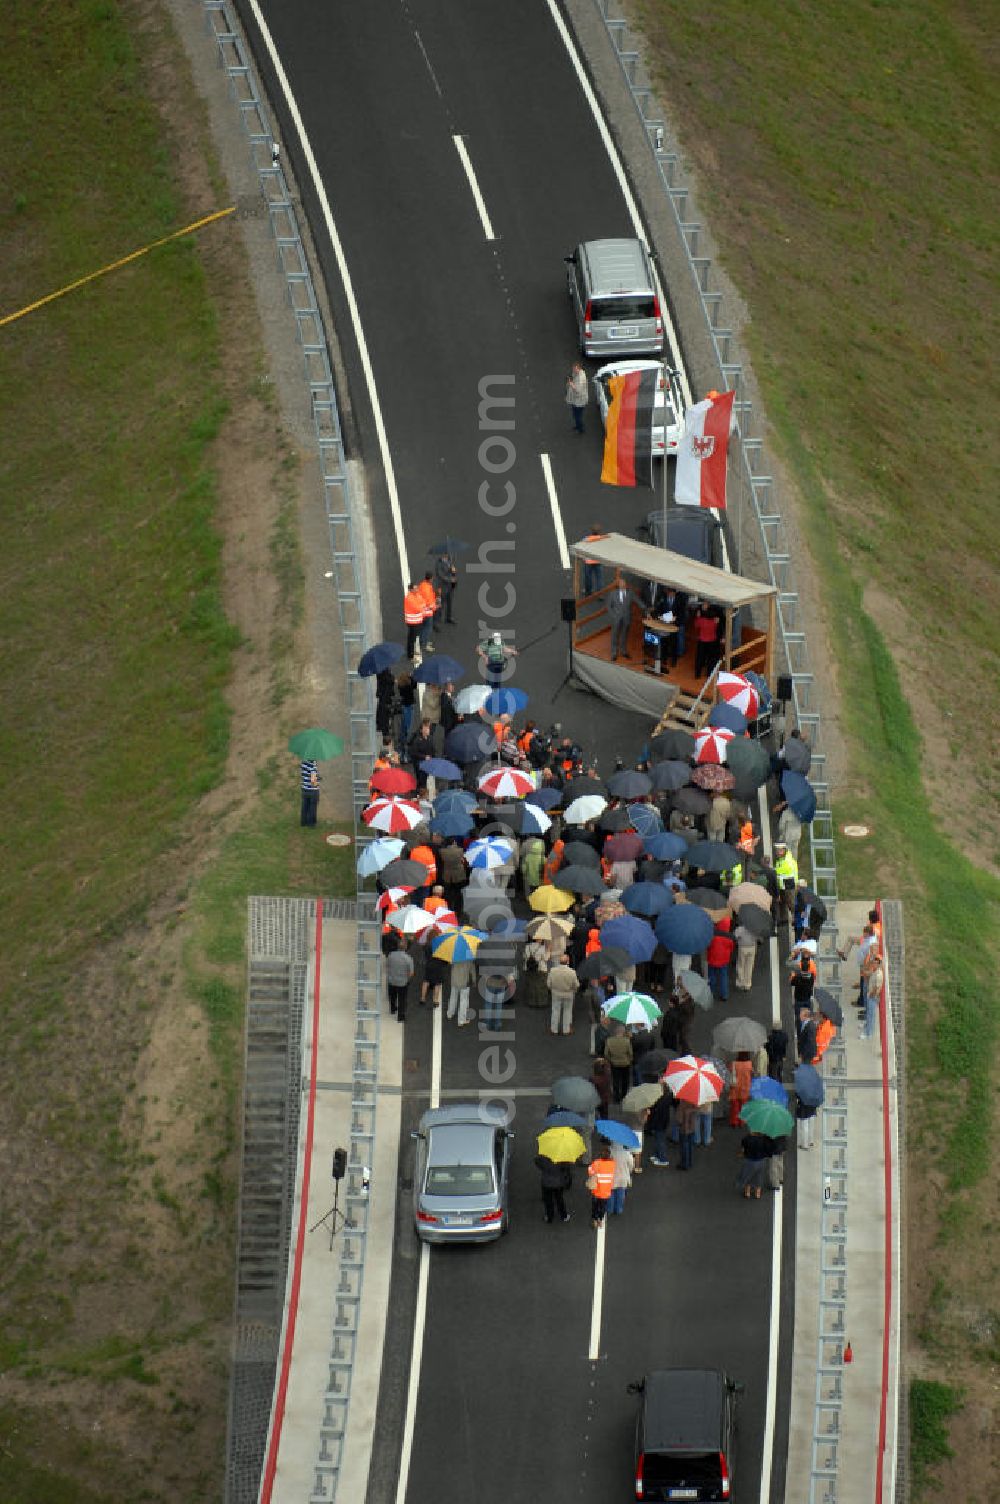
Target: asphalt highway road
[{"x": 509, "y": 1406}]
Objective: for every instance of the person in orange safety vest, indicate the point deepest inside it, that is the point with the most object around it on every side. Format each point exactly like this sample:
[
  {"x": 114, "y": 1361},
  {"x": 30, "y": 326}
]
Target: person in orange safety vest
[
  {"x": 414, "y": 610},
  {"x": 600, "y": 1182}
]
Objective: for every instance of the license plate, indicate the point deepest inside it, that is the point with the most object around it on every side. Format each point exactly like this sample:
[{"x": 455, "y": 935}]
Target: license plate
[
  {"x": 459, "y": 1221},
  {"x": 623, "y": 331},
  {"x": 682, "y": 1493}
]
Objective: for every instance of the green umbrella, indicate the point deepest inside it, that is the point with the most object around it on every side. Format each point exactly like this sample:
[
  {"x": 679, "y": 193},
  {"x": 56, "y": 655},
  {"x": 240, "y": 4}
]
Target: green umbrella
[
  {"x": 315, "y": 745},
  {"x": 769, "y": 1118},
  {"x": 632, "y": 1008}
]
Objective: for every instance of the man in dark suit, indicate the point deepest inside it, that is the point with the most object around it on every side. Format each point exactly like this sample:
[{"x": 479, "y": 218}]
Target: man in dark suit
[{"x": 619, "y": 605}]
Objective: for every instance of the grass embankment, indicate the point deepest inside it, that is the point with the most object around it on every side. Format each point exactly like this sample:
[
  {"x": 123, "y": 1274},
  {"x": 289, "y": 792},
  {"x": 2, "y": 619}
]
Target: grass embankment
[
  {"x": 843, "y": 150},
  {"x": 115, "y": 1249}
]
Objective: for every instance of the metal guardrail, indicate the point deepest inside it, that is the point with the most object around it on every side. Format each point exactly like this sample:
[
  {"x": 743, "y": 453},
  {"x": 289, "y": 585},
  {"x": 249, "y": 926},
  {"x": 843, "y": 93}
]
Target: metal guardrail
[
  {"x": 341, "y": 511},
  {"x": 759, "y": 486}
]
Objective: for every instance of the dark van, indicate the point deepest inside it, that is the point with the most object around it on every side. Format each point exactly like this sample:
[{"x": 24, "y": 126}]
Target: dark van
[{"x": 684, "y": 1435}]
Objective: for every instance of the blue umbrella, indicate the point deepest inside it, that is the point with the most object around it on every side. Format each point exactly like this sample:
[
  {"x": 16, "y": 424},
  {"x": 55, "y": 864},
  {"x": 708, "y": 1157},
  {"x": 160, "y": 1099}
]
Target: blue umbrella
[
  {"x": 670, "y": 776},
  {"x": 770, "y": 1090},
  {"x": 809, "y": 1085},
  {"x": 449, "y": 546},
  {"x": 631, "y": 934},
  {"x": 489, "y": 852},
  {"x": 799, "y": 795},
  {"x": 645, "y": 819},
  {"x": 666, "y": 847},
  {"x": 527, "y": 819},
  {"x": 382, "y": 655},
  {"x": 439, "y": 670},
  {"x": 684, "y": 929},
  {"x": 648, "y": 899},
  {"x": 454, "y": 822},
  {"x": 450, "y": 799},
  {"x": 545, "y": 798},
  {"x": 618, "y": 1133},
  {"x": 469, "y": 742},
  {"x": 712, "y": 856},
  {"x": 558, "y": 1117},
  {"x": 440, "y": 767},
  {"x": 728, "y": 717},
  {"x": 378, "y": 854},
  {"x": 508, "y": 701}
]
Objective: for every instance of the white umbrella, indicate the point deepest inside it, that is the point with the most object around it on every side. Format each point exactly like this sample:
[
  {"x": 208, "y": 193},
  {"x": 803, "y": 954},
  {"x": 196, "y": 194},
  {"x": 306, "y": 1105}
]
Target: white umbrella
[
  {"x": 587, "y": 807},
  {"x": 489, "y": 853},
  {"x": 378, "y": 854},
  {"x": 411, "y": 919},
  {"x": 471, "y": 699}
]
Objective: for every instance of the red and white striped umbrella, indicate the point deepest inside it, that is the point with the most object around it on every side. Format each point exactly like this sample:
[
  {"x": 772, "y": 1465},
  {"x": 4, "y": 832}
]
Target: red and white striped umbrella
[
  {"x": 411, "y": 919},
  {"x": 392, "y": 815},
  {"x": 445, "y": 920},
  {"x": 392, "y": 781},
  {"x": 692, "y": 1079},
  {"x": 391, "y": 899},
  {"x": 710, "y": 744},
  {"x": 506, "y": 783},
  {"x": 739, "y": 693}
]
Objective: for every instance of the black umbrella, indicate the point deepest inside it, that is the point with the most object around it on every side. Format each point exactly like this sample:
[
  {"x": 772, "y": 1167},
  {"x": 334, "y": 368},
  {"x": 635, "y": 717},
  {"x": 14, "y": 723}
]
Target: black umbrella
[
  {"x": 755, "y": 919},
  {"x": 797, "y": 754},
  {"x": 828, "y": 1006},
  {"x": 403, "y": 874},
  {"x": 670, "y": 776},
  {"x": 814, "y": 902},
  {"x": 469, "y": 742},
  {"x": 604, "y": 963},
  {"x": 627, "y": 783},
  {"x": 671, "y": 744},
  {"x": 580, "y": 879},
  {"x": 706, "y": 898},
  {"x": 580, "y": 854},
  {"x": 691, "y": 801},
  {"x": 449, "y": 546},
  {"x": 712, "y": 856},
  {"x": 615, "y": 819},
  {"x": 749, "y": 763},
  {"x": 585, "y": 784},
  {"x": 654, "y": 1063}
]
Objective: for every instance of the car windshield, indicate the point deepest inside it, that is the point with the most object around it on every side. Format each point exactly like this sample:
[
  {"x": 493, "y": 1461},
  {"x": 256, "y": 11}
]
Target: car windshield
[
  {"x": 625, "y": 306},
  {"x": 682, "y": 1471},
  {"x": 459, "y": 1180}
]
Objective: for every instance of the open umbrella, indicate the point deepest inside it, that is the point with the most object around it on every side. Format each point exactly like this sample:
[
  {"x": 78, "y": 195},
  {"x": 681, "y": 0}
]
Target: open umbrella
[
  {"x": 561, "y": 1145},
  {"x": 670, "y": 776},
  {"x": 672, "y": 744},
  {"x": 377, "y": 854},
  {"x": 453, "y": 822},
  {"x": 713, "y": 777},
  {"x": 632, "y": 1008},
  {"x": 710, "y": 744},
  {"x": 445, "y": 921},
  {"x": 558, "y": 1117},
  {"x": 580, "y": 854},
  {"x": 691, "y": 801},
  {"x": 489, "y": 853},
  {"x": 729, "y": 718},
  {"x": 769, "y": 1118},
  {"x": 706, "y": 898},
  {"x": 739, "y": 692},
  {"x": 745, "y": 893},
  {"x": 736, "y": 1034},
  {"x": 808, "y": 1084},
  {"x": 749, "y": 761},
  {"x": 618, "y": 1133},
  {"x": 800, "y": 795},
  {"x": 765, "y": 1088},
  {"x": 693, "y": 1079},
  {"x": 411, "y": 919},
  {"x": 391, "y": 815},
  {"x": 315, "y": 745},
  {"x": 626, "y": 846},
  {"x": 469, "y": 742},
  {"x": 666, "y": 847},
  {"x": 646, "y": 819},
  {"x": 712, "y": 856},
  {"x": 506, "y": 701},
  {"x": 575, "y": 1093},
  {"x": 449, "y": 799},
  {"x": 654, "y": 1062},
  {"x": 609, "y": 961},
  {"x": 582, "y": 785},
  {"x": 645, "y": 1095},
  {"x": 393, "y": 781},
  {"x": 755, "y": 920},
  {"x": 631, "y": 934},
  {"x": 471, "y": 699},
  {"x": 545, "y": 798},
  {"x": 647, "y": 899},
  {"x": 383, "y": 655},
  {"x": 458, "y": 945},
  {"x": 550, "y": 900},
  {"x": 615, "y": 820},
  {"x": 581, "y": 879},
  {"x": 696, "y": 988},
  {"x": 393, "y": 897},
  {"x": 586, "y": 807},
  {"x": 797, "y": 755},
  {"x": 829, "y": 1006},
  {"x": 441, "y": 768},
  {"x": 813, "y": 901},
  {"x": 628, "y": 783},
  {"x": 439, "y": 670},
  {"x": 403, "y": 873},
  {"x": 684, "y": 929},
  {"x": 449, "y": 546},
  {"x": 549, "y": 928},
  {"x": 526, "y": 819},
  {"x": 506, "y": 783}
]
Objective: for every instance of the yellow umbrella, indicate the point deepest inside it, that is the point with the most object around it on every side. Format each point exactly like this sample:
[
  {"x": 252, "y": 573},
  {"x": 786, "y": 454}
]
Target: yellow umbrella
[
  {"x": 549, "y": 927},
  {"x": 561, "y": 1145},
  {"x": 549, "y": 900}
]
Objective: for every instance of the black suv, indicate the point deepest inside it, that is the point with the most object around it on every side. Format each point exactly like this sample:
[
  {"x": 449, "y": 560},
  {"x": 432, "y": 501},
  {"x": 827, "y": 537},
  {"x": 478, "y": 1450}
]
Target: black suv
[{"x": 684, "y": 1435}]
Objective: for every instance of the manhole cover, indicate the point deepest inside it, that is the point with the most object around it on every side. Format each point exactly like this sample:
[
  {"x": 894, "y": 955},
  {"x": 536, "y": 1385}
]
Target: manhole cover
[
  {"x": 856, "y": 832},
  {"x": 337, "y": 838}
]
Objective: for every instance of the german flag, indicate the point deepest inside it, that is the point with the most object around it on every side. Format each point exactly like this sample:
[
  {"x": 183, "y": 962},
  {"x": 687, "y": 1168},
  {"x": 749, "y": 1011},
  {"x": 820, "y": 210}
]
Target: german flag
[{"x": 628, "y": 437}]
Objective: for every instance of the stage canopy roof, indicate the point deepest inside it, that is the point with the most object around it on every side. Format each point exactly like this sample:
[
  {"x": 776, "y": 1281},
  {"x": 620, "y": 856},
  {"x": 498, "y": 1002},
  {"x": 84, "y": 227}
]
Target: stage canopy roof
[{"x": 667, "y": 568}]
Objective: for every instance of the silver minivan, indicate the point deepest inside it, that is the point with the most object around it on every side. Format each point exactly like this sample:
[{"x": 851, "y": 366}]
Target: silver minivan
[{"x": 613, "y": 292}]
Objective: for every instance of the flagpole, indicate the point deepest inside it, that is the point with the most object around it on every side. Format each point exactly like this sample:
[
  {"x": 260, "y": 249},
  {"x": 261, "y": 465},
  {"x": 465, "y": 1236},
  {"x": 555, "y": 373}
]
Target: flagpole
[{"x": 666, "y": 392}]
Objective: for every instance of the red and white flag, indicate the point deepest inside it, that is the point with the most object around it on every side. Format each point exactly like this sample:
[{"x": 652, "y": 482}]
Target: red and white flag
[{"x": 702, "y": 453}]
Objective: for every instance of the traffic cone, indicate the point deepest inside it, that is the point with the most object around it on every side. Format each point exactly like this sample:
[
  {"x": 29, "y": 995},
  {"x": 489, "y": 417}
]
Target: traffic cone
[{"x": 848, "y": 1352}]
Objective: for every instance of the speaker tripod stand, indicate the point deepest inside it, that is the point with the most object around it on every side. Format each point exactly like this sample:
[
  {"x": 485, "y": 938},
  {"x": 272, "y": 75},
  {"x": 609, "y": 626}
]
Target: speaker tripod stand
[
  {"x": 570, "y": 673},
  {"x": 335, "y": 1218}
]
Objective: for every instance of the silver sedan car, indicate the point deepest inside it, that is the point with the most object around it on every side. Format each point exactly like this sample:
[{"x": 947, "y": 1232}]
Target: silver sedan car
[
  {"x": 462, "y": 1172},
  {"x": 668, "y": 403}
]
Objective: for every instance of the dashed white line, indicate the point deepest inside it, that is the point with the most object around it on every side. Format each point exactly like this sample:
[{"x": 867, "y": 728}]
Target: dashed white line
[
  {"x": 594, "y": 1351},
  {"x": 557, "y": 521},
  {"x": 463, "y": 157},
  {"x": 777, "y": 1208}
]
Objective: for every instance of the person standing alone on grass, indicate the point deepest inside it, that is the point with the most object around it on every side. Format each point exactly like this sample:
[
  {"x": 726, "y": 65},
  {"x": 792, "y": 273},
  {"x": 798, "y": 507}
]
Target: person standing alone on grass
[
  {"x": 576, "y": 394},
  {"x": 309, "y": 781}
]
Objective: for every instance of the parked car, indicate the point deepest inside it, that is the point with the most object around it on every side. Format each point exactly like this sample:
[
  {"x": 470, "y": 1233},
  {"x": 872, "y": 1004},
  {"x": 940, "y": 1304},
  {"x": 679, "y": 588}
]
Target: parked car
[
  {"x": 615, "y": 301},
  {"x": 462, "y": 1172},
  {"x": 668, "y": 404},
  {"x": 692, "y": 531},
  {"x": 684, "y": 1435}
]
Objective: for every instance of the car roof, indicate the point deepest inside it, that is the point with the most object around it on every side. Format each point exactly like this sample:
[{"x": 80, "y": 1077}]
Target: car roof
[
  {"x": 683, "y": 1410},
  {"x": 475, "y": 1114},
  {"x": 622, "y": 367},
  {"x": 461, "y": 1144}
]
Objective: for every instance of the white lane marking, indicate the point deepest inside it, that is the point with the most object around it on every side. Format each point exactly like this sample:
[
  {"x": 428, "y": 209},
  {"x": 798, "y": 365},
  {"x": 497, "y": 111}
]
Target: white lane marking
[
  {"x": 623, "y": 184},
  {"x": 430, "y": 70},
  {"x": 557, "y": 522},
  {"x": 777, "y": 1209},
  {"x": 465, "y": 160},
  {"x": 595, "y": 1311},
  {"x": 338, "y": 251},
  {"x": 420, "y": 1314}
]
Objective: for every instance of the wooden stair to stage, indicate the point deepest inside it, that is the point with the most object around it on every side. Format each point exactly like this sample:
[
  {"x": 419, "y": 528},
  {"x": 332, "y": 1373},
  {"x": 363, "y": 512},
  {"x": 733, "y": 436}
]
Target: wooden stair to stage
[{"x": 684, "y": 713}]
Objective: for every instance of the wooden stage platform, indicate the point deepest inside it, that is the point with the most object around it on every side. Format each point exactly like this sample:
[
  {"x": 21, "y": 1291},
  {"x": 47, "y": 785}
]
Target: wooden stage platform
[{"x": 683, "y": 677}]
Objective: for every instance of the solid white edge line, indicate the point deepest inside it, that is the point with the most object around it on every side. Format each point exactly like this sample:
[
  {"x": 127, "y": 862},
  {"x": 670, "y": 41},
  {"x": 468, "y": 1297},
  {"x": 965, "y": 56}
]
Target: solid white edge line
[
  {"x": 331, "y": 229},
  {"x": 480, "y": 203},
  {"x": 777, "y": 1218},
  {"x": 557, "y": 522},
  {"x": 623, "y": 184},
  {"x": 594, "y": 1350},
  {"x": 420, "y": 1312}
]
